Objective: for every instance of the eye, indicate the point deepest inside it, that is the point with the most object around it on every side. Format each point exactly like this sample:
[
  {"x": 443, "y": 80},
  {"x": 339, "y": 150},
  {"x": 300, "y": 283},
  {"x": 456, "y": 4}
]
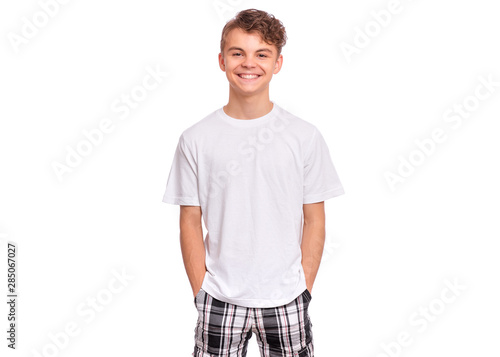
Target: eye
[
  {"x": 263, "y": 55},
  {"x": 236, "y": 53}
]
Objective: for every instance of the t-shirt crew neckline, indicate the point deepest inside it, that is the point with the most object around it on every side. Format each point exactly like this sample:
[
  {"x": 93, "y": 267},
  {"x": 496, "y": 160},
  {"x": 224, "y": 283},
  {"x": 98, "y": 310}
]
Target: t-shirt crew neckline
[{"x": 247, "y": 122}]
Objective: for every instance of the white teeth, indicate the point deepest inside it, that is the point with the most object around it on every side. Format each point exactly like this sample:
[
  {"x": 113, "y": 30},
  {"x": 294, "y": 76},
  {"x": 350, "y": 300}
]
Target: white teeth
[{"x": 248, "y": 76}]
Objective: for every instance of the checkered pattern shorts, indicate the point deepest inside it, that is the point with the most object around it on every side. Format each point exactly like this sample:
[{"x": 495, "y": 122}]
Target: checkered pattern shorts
[{"x": 224, "y": 329}]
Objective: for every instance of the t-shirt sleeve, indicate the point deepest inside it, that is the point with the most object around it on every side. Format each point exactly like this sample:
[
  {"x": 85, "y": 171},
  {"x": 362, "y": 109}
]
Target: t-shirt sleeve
[
  {"x": 321, "y": 181},
  {"x": 182, "y": 182}
]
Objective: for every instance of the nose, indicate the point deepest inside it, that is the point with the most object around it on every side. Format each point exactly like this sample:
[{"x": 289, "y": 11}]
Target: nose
[{"x": 248, "y": 62}]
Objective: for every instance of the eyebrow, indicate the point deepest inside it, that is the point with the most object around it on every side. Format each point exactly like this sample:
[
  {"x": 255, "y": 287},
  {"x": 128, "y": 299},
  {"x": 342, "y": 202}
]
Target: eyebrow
[{"x": 241, "y": 49}]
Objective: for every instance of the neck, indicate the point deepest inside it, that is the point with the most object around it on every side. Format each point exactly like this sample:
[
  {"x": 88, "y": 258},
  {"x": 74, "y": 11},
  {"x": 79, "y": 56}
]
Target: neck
[{"x": 248, "y": 107}]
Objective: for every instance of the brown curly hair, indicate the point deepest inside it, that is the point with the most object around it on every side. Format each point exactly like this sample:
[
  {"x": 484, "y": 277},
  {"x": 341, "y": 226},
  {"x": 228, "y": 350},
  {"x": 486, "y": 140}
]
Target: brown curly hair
[{"x": 270, "y": 29}]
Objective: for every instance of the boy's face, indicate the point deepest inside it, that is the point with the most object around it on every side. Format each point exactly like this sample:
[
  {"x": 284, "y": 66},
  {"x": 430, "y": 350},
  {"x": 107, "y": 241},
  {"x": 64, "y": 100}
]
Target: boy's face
[{"x": 246, "y": 54}]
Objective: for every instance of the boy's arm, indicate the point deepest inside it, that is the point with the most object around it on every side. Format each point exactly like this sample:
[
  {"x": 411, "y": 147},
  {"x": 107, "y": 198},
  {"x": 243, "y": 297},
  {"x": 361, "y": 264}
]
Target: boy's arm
[
  {"x": 192, "y": 247},
  {"x": 313, "y": 240}
]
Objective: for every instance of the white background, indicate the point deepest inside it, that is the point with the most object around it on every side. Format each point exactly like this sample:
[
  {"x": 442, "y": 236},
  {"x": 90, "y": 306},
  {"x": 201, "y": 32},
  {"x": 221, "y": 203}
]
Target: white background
[{"x": 388, "y": 252}]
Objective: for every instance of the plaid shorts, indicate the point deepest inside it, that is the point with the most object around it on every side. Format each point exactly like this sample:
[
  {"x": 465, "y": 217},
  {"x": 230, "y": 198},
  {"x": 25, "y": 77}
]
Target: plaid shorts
[{"x": 223, "y": 329}]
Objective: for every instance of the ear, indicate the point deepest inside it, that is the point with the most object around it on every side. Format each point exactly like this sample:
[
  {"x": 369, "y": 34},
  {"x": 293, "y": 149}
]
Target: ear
[
  {"x": 222, "y": 65},
  {"x": 278, "y": 64}
]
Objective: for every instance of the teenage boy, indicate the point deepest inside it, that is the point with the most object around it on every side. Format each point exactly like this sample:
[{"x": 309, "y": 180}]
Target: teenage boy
[{"x": 258, "y": 176}]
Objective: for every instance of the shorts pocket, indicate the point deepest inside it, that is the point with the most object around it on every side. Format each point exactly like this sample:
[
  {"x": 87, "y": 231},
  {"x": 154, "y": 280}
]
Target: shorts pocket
[
  {"x": 307, "y": 295},
  {"x": 197, "y": 294}
]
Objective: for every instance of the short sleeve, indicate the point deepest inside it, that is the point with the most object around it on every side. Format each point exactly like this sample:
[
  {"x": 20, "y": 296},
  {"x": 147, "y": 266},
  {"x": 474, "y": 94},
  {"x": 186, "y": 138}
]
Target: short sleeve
[
  {"x": 321, "y": 181},
  {"x": 182, "y": 182}
]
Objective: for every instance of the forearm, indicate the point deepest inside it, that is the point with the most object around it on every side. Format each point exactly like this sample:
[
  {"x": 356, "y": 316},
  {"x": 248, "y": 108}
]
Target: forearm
[
  {"x": 313, "y": 241},
  {"x": 193, "y": 255}
]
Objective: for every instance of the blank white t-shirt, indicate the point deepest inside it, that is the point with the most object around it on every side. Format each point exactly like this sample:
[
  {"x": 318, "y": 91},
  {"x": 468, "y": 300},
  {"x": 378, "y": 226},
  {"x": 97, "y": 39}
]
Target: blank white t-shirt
[{"x": 251, "y": 178}]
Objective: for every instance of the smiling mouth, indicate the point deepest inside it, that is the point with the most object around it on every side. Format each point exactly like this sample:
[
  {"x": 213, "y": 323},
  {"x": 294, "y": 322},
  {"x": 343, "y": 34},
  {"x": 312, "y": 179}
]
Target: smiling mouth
[{"x": 248, "y": 76}]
